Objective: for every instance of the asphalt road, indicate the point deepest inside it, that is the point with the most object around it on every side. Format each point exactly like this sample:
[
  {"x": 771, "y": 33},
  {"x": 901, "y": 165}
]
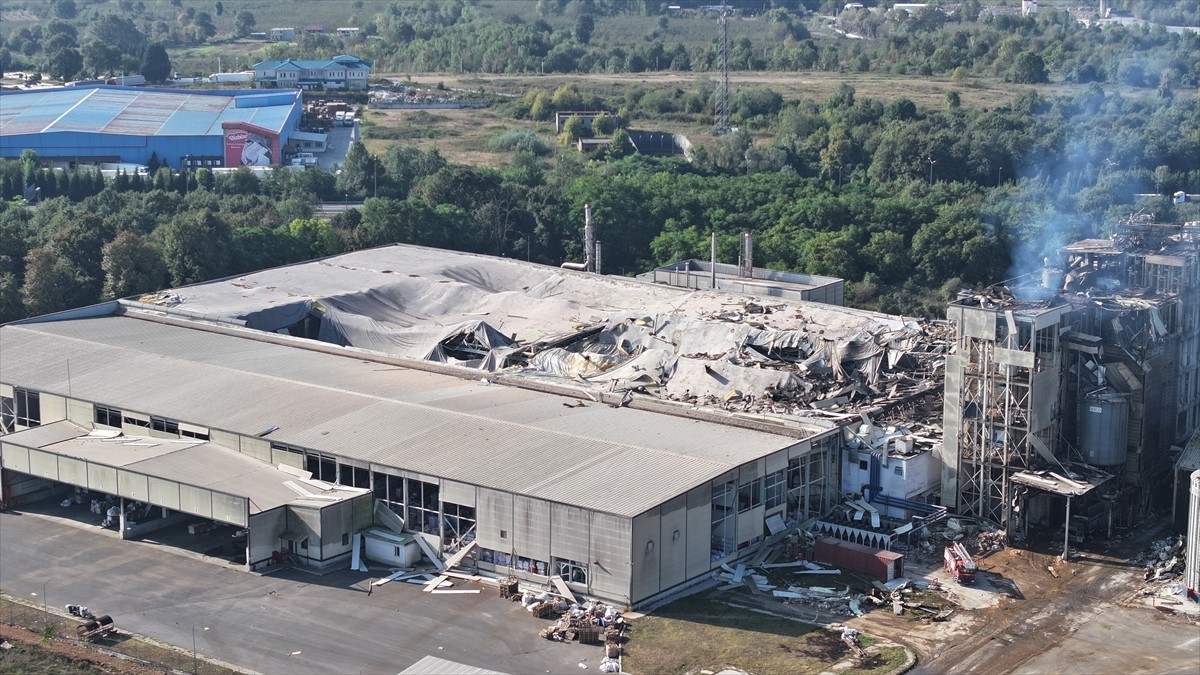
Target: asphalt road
[{"x": 290, "y": 622}]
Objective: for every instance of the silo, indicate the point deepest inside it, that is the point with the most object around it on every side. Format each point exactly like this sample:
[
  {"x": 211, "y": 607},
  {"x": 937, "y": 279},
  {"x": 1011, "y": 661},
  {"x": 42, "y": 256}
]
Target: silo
[
  {"x": 1191, "y": 573},
  {"x": 1103, "y": 427}
]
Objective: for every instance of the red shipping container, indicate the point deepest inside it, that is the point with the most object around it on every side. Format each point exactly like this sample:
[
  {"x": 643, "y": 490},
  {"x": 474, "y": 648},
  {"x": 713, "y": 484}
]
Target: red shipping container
[{"x": 886, "y": 565}]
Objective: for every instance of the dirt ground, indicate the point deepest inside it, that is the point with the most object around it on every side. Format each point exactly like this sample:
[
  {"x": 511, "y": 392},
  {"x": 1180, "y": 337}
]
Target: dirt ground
[{"x": 85, "y": 660}]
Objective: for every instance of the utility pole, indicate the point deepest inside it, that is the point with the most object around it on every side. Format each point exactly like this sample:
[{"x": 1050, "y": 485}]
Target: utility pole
[{"x": 932, "y": 161}]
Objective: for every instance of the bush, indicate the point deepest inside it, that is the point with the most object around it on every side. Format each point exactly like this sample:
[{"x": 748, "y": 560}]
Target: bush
[{"x": 514, "y": 140}]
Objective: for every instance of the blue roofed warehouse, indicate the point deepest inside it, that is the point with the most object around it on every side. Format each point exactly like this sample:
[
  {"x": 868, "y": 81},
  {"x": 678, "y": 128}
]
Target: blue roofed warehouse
[{"x": 128, "y": 125}]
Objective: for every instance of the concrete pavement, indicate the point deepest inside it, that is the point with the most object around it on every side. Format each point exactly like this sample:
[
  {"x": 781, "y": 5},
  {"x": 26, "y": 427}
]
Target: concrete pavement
[{"x": 290, "y": 622}]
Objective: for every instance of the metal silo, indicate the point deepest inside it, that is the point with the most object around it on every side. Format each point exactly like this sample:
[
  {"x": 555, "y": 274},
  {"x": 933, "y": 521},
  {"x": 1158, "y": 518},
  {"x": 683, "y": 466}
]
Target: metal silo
[
  {"x": 1103, "y": 427},
  {"x": 1191, "y": 573}
]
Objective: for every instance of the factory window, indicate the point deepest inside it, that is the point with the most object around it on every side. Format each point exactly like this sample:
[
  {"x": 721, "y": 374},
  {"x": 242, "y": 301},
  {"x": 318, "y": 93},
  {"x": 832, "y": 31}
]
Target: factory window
[
  {"x": 750, "y": 495},
  {"x": 164, "y": 425},
  {"x": 1046, "y": 340},
  {"x": 28, "y": 407},
  {"x": 345, "y": 539},
  {"x": 109, "y": 417},
  {"x": 572, "y": 572},
  {"x": 862, "y": 464},
  {"x": 322, "y": 467},
  {"x": 194, "y": 433},
  {"x": 724, "y": 520},
  {"x": 7, "y": 414},
  {"x": 354, "y": 476},
  {"x": 135, "y": 421},
  {"x": 899, "y": 470},
  {"x": 422, "y": 506},
  {"x": 458, "y": 523},
  {"x": 533, "y": 566},
  {"x": 498, "y": 558},
  {"x": 776, "y": 488}
]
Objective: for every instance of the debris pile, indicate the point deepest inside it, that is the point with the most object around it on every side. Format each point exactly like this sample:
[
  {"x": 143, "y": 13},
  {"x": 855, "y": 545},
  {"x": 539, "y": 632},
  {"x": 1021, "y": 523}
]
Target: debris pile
[
  {"x": 826, "y": 598},
  {"x": 1164, "y": 560},
  {"x": 902, "y": 595}
]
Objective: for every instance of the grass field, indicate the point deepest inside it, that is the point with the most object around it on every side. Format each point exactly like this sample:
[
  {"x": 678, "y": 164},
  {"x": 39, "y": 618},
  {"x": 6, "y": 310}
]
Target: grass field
[{"x": 697, "y": 633}]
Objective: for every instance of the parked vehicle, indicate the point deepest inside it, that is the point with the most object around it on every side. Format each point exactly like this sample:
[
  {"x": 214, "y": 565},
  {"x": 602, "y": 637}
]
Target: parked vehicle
[{"x": 959, "y": 564}]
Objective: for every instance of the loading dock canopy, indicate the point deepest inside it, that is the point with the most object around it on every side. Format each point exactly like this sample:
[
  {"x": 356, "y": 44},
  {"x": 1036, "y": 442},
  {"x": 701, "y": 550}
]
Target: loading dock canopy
[{"x": 195, "y": 477}]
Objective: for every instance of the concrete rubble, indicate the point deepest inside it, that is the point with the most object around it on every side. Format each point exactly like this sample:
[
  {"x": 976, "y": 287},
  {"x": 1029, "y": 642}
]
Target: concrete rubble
[{"x": 1164, "y": 560}]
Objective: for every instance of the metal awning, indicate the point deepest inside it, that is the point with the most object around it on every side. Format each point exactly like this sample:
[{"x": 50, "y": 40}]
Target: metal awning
[{"x": 1080, "y": 482}]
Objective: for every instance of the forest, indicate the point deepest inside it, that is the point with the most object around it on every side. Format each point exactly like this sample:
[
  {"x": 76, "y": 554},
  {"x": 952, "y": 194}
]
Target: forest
[{"x": 908, "y": 203}]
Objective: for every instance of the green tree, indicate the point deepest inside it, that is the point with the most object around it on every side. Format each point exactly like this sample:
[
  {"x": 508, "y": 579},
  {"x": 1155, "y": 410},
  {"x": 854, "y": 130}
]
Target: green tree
[
  {"x": 65, "y": 9},
  {"x": 243, "y": 23},
  {"x": 195, "y": 247},
  {"x": 316, "y": 238},
  {"x": 1027, "y": 68},
  {"x": 585, "y": 25},
  {"x": 132, "y": 265},
  {"x": 356, "y": 178},
  {"x": 65, "y": 64},
  {"x": 52, "y": 284},
  {"x": 156, "y": 65}
]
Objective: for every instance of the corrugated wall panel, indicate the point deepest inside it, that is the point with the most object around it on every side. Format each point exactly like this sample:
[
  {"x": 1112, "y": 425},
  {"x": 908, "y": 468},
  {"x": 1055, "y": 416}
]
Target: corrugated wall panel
[
  {"x": 672, "y": 541},
  {"x": 196, "y": 501},
  {"x": 258, "y": 448},
  {"x": 699, "y": 530},
  {"x": 102, "y": 478},
  {"x": 73, "y": 471},
  {"x": 164, "y": 492},
  {"x": 611, "y": 541},
  {"x": 569, "y": 533},
  {"x": 43, "y": 464},
  {"x": 308, "y": 521},
  {"x": 531, "y": 528},
  {"x": 16, "y": 458},
  {"x": 645, "y": 555},
  {"x": 457, "y": 493},
  {"x": 80, "y": 412},
  {"x": 265, "y": 529},
  {"x": 495, "y": 514},
  {"x": 229, "y": 509},
  {"x": 132, "y": 485},
  {"x": 337, "y": 525},
  {"x": 54, "y": 408}
]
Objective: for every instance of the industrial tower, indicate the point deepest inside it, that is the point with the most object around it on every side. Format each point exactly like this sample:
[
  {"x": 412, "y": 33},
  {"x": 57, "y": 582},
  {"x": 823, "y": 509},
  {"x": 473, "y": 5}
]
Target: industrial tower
[{"x": 721, "y": 104}]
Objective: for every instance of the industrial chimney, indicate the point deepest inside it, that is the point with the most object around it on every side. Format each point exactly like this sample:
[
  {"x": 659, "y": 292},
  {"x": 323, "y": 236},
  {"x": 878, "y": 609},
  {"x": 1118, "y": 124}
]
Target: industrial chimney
[{"x": 590, "y": 245}]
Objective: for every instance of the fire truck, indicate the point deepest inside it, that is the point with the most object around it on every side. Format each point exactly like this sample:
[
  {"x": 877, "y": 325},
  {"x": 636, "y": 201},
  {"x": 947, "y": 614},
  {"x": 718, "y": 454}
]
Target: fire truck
[{"x": 959, "y": 564}]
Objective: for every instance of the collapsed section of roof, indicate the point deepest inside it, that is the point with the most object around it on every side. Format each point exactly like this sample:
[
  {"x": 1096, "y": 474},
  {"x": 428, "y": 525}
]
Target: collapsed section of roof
[{"x": 709, "y": 348}]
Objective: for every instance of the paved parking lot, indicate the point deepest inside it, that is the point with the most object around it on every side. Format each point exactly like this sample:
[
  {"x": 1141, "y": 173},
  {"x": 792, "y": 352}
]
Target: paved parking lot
[{"x": 289, "y": 622}]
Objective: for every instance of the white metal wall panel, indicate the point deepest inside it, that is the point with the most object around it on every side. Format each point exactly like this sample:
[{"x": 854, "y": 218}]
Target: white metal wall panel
[
  {"x": 750, "y": 524},
  {"x": 750, "y": 471},
  {"x": 196, "y": 501},
  {"x": 699, "y": 530},
  {"x": 363, "y": 509},
  {"x": 292, "y": 459},
  {"x": 73, "y": 471},
  {"x": 133, "y": 429},
  {"x": 164, "y": 492},
  {"x": 81, "y": 412},
  {"x": 16, "y": 458},
  {"x": 494, "y": 514},
  {"x": 229, "y": 509},
  {"x": 195, "y": 429},
  {"x": 569, "y": 533},
  {"x": 132, "y": 485},
  {"x": 672, "y": 542},
  {"x": 102, "y": 478},
  {"x": 336, "y": 520},
  {"x": 979, "y": 324},
  {"x": 6, "y": 390},
  {"x": 307, "y": 520},
  {"x": 53, "y": 408},
  {"x": 43, "y": 464},
  {"x": 531, "y": 528},
  {"x": 457, "y": 493},
  {"x": 227, "y": 439},
  {"x": 265, "y": 529},
  {"x": 645, "y": 555},
  {"x": 611, "y": 541},
  {"x": 776, "y": 461},
  {"x": 258, "y": 448}
]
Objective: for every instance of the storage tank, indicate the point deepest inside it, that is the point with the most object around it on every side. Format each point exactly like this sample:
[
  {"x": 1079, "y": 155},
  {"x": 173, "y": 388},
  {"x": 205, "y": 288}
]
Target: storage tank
[
  {"x": 1103, "y": 427},
  {"x": 1191, "y": 573}
]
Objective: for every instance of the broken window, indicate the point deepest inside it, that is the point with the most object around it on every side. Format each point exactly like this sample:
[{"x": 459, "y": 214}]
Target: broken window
[
  {"x": 724, "y": 519},
  {"x": 421, "y": 507},
  {"x": 109, "y": 417},
  {"x": 28, "y": 408},
  {"x": 776, "y": 488},
  {"x": 533, "y": 566},
  {"x": 167, "y": 426},
  {"x": 136, "y": 421},
  {"x": 571, "y": 571},
  {"x": 322, "y": 467},
  {"x": 749, "y": 496},
  {"x": 7, "y": 415},
  {"x": 458, "y": 523}
]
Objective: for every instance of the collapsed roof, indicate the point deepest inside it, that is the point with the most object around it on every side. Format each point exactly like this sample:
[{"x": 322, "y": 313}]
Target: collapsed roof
[{"x": 596, "y": 333}]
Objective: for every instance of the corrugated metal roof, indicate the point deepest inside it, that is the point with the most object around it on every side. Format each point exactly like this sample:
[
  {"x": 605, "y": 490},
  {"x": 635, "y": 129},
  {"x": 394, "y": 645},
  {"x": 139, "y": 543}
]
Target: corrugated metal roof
[
  {"x": 133, "y": 111},
  {"x": 432, "y": 665},
  {"x": 616, "y": 460},
  {"x": 196, "y": 463}
]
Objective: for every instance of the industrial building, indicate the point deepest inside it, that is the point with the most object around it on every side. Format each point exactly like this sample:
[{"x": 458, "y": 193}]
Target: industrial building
[
  {"x": 627, "y": 497},
  {"x": 1081, "y": 385},
  {"x": 340, "y": 72},
  {"x": 127, "y": 125}
]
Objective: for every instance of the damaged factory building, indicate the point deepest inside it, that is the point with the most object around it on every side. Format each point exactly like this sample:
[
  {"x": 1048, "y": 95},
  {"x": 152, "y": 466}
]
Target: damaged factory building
[
  {"x": 626, "y": 440},
  {"x": 1069, "y": 397}
]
